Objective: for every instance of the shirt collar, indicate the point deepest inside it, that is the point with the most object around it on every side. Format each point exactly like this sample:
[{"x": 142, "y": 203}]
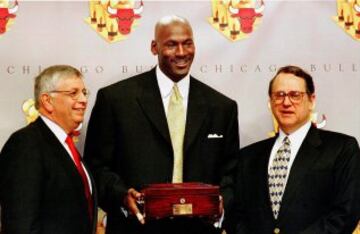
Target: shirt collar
[
  {"x": 298, "y": 136},
  {"x": 56, "y": 129},
  {"x": 166, "y": 84}
]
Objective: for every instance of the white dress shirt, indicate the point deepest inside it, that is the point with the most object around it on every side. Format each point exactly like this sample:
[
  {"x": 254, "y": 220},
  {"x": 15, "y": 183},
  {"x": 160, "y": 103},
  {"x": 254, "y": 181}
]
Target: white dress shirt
[
  {"x": 166, "y": 84},
  {"x": 296, "y": 138},
  {"x": 61, "y": 136}
]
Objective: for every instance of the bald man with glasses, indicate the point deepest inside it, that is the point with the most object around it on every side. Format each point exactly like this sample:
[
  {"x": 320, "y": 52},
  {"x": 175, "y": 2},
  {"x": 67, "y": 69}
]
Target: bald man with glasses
[
  {"x": 44, "y": 185},
  {"x": 303, "y": 180}
]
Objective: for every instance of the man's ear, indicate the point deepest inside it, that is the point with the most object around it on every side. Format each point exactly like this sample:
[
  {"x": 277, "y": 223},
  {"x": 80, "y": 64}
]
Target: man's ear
[
  {"x": 154, "y": 48},
  {"x": 46, "y": 102},
  {"x": 313, "y": 102},
  {"x": 313, "y": 105}
]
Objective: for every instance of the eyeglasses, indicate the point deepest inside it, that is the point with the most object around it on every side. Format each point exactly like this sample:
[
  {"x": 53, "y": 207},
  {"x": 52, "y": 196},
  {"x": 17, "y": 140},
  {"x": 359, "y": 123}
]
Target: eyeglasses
[
  {"x": 294, "y": 96},
  {"x": 73, "y": 94}
]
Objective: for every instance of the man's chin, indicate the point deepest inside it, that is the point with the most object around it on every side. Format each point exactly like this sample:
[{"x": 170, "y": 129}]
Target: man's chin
[
  {"x": 181, "y": 73},
  {"x": 184, "y": 66},
  {"x": 79, "y": 121},
  {"x": 286, "y": 122}
]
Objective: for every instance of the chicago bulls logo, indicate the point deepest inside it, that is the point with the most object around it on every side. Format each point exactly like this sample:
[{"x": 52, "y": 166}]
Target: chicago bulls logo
[
  {"x": 348, "y": 17},
  {"x": 236, "y": 19},
  {"x": 7, "y": 14},
  {"x": 114, "y": 20},
  {"x": 29, "y": 110}
]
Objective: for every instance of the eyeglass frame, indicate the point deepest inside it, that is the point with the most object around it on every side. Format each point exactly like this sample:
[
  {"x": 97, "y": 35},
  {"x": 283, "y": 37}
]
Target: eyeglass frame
[
  {"x": 289, "y": 94},
  {"x": 73, "y": 94}
]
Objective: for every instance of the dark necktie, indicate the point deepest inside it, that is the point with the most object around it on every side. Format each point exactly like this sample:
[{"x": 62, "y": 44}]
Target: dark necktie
[{"x": 69, "y": 141}]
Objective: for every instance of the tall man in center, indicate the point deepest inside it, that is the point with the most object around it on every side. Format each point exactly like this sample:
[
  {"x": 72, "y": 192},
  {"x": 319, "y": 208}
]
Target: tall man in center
[{"x": 162, "y": 126}]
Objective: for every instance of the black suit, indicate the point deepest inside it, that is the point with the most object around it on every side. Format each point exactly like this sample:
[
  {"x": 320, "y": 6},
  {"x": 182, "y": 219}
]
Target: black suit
[
  {"x": 321, "y": 195},
  {"x": 128, "y": 143},
  {"x": 40, "y": 188}
]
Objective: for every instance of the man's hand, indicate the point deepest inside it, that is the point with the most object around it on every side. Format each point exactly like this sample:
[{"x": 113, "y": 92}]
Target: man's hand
[
  {"x": 218, "y": 223},
  {"x": 221, "y": 205},
  {"x": 131, "y": 203}
]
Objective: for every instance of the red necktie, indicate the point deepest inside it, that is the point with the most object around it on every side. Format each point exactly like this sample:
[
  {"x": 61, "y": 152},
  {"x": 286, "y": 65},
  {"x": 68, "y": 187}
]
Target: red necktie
[{"x": 69, "y": 141}]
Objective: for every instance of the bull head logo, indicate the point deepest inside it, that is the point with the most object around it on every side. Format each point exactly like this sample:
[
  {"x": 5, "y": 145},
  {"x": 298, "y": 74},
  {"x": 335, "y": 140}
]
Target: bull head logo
[
  {"x": 29, "y": 110},
  {"x": 125, "y": 17},
  {"x": 236, "y": 19},
  {"x": 348, "y": 17},
  {"x": 6, "y": 13},
  {"x": 114, "y": 19},
  {"x": 246, "y": 16},
  {"x": 357, "y": 19},
  {"x": 357, "y": 8}
]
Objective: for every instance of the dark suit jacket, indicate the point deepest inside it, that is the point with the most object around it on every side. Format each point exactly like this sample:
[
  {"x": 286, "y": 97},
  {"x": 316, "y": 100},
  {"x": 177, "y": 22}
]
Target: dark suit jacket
[
  {"x": 40, "y": 188},
  {"x": 321, "y": 195},
  {"x": 128, "y": 142}
]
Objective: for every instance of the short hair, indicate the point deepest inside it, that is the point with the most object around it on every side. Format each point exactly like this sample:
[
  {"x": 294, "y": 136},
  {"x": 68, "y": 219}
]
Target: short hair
[
  {"x": 48, "y": 79},
  {"x": 297, "y": 71},
  {"x": 169, "y": 19}
]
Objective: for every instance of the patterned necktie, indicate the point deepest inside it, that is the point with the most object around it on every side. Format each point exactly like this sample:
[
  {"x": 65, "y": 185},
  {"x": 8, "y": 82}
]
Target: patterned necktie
[
  {"x": 176, "y": 123},
  {"x": 75, "y": 153},
  {"x": 277, "y": 175}
]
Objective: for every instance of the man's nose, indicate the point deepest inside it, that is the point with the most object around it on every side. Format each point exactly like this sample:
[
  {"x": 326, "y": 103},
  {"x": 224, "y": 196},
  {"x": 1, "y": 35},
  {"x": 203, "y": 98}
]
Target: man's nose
[
  {"x": 82, "y": 97},
  {"x": 287, "y": 101},
  {"x": 180, "y": 50}
]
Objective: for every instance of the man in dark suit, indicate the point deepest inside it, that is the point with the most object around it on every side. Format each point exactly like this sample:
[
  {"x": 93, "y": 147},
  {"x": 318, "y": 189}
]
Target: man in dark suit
[
  {"x": 44, "y": 186},
  {"x": 304, "y": 180},
  {"x": 131, "y": 140}
]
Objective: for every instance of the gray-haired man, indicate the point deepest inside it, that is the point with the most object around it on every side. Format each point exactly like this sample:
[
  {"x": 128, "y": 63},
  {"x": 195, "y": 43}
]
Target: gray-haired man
[{"x": 44, "y": 186}]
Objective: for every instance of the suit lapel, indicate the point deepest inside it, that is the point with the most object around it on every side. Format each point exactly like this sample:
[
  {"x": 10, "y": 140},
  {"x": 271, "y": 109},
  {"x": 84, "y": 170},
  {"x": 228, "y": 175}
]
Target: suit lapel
[
  {"x": 150, "y": 101},
  {"x": 63, "y": 159},
  {"x": 264, "y": 162},
  {"x": 306, "y": 157},
  {"x": 196, "y": 113},
  {"x": 55, "y": 149},
  {"x": 94, "y": 197}
]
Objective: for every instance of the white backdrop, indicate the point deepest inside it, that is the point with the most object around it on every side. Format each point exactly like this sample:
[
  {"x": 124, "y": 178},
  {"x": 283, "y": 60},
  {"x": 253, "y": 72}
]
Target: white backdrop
[{"x": 291, "y": 32}]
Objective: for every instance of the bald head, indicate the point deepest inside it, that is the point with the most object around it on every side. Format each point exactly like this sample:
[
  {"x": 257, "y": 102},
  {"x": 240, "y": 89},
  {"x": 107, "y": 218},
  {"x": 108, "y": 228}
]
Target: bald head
[
  {"x": 174, "y": 46},
  {"x": 168, "y": 21}
]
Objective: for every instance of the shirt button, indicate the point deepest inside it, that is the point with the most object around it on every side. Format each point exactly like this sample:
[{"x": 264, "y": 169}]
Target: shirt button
[{"x": 277, "y": 231}]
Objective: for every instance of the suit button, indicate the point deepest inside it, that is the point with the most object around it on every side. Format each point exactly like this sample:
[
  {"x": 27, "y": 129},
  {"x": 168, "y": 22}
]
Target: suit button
[{"x": 277, "y": 231}]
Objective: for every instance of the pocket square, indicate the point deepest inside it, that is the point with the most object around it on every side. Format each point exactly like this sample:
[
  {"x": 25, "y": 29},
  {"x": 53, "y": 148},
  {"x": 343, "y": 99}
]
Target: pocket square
[{"x": 215, "y": 136}]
